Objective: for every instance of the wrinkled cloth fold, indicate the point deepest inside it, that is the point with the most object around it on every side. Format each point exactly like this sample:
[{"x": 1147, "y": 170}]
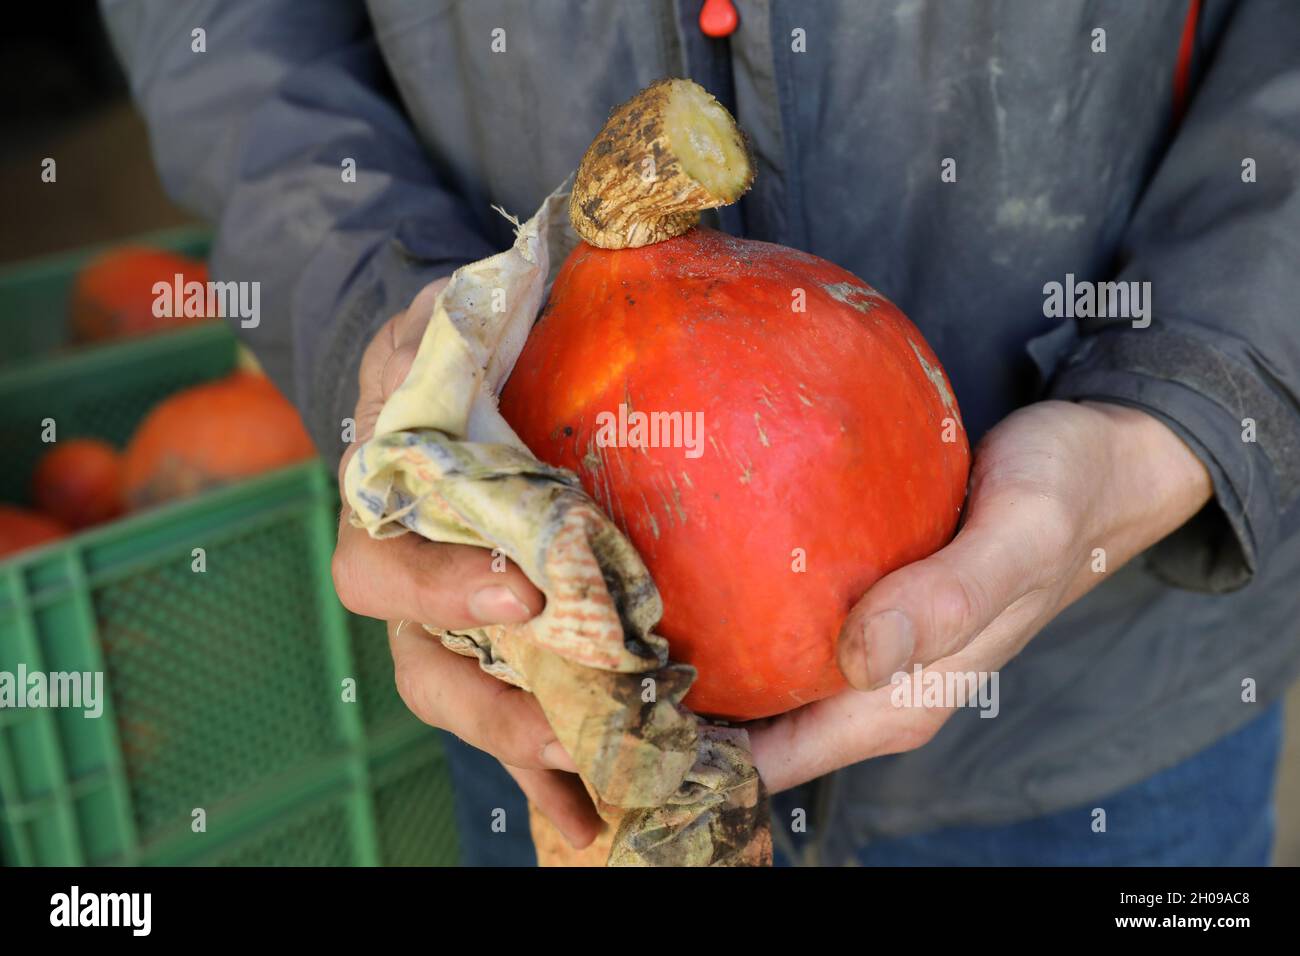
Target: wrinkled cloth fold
[{"x": 444, "y": 464}]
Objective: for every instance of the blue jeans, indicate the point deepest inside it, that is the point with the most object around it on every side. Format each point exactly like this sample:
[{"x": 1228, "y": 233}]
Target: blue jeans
[{"x": 1213, "y": 809}]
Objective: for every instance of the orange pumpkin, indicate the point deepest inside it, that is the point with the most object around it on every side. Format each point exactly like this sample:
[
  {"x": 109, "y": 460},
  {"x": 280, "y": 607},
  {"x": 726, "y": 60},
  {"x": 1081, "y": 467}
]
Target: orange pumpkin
[
  {"x": 21, "y": 529},
  {"x": 771, "y": 433},
  {"x": 812, "y": 457},
  {"x": 212, "y": 434},
  {"x": 79, "y": 482},
  {"x": 114, "y": 296}
]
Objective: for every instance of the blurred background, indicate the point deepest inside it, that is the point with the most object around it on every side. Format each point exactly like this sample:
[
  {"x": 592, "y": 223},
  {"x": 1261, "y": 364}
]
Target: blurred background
[
  {"x": 249, "y": 718},
  {"x": 229, "y": 687}
]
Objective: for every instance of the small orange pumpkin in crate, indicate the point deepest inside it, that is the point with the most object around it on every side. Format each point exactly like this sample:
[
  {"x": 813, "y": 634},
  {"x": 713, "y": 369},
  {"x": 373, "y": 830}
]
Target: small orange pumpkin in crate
[
  {"x": 79, "y": 482},
  {"x": 21, "y": 529},
  {"x": 210, "y": 435},
  {"x": 114, "y": 294}
]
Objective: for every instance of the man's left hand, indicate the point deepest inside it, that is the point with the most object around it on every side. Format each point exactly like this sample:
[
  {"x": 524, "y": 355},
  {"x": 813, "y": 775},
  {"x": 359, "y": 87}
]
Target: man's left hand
[{"x": 1051, "y": 484}]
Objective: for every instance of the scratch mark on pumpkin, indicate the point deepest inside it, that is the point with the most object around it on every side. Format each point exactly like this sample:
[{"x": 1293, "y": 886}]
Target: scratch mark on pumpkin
[
  {"x": 607, "y": 479},
  {"x": 746, "y": 475},
  {"x": 593, "y": 464},
  {"x": 668, "y": 508},
  {"x": 726, "y": 450},
  {"x": 862, "y": 298},
  {"x": 762, "y": 435},
  {"x": 622, "y": 465},
  {"x": 677, "y": 497},
  {"x": 654, "y": 525},
  {"x": 935, "y": 375},
  {"x": 687, "y": 478}
]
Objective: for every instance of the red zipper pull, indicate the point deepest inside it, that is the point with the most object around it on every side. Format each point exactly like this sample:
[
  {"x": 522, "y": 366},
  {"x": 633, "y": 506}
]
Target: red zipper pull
[{"x": 718, "y": 18}]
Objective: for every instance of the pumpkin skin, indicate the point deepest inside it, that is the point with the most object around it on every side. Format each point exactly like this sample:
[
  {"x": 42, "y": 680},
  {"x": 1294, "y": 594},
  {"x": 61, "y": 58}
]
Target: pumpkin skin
[
  {"x": 21, "y": 529},
  {"x": 823, "y": 436},
  {"x": 79, "y": 482},
  {"x": 212, "y": 434},
  {"x": 113, "y": 295}
]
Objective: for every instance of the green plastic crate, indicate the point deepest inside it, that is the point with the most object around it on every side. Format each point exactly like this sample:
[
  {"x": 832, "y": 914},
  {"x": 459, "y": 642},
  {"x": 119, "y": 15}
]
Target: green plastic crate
[
  {"x": 224, "y": 687},
  {"x": 100, "y": 392},
  {"x": 34, "y": 295}
]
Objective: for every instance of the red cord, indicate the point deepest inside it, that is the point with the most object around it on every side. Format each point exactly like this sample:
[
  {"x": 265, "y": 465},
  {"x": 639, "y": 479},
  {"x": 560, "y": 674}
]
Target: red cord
[
  {"x": 1183, "y": 68},
  {"x": 718, "y": 18}
]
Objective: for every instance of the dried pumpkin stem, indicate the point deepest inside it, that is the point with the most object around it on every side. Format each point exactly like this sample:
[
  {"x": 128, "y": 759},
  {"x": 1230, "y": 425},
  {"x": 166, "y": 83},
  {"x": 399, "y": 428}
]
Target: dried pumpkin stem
[{"x": 663, "y": 156}]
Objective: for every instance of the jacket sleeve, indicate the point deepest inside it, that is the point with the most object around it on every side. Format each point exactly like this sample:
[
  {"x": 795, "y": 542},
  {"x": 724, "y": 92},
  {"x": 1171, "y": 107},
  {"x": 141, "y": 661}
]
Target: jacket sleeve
[
  {"x": 1222, "y": 255},
  {"x": 252, "y": 133}
]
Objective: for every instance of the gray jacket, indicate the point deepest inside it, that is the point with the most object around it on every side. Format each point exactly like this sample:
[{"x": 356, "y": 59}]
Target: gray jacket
[{"x": 1068, "y": 162}]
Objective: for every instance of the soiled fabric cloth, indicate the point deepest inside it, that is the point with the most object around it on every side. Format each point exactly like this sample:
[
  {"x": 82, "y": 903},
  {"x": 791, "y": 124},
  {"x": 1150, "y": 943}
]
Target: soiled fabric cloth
[{"x": 443, "y": 463}]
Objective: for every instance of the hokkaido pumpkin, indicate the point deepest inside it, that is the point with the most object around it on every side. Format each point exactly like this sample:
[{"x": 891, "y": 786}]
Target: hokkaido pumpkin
[
  {"x": 79, "y": 482},
  {"x": 211, "y": 434},
  {"x": 771, "y": 433},
  {"x": 113, "y": 295},
  {"x": 21, "y": 529}
]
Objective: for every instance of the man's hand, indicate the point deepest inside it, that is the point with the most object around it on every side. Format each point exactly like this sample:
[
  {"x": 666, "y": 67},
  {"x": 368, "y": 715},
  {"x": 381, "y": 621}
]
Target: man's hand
[
  {"x": 409, "y": 581},
  {"x": 1051, "y": 483}
]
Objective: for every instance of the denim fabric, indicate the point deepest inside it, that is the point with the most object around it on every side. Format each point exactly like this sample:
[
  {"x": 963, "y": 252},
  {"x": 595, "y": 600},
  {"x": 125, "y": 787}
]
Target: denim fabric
[
  {"x": 1214, "y": 809},
  {"x": 482, "y": 786}
]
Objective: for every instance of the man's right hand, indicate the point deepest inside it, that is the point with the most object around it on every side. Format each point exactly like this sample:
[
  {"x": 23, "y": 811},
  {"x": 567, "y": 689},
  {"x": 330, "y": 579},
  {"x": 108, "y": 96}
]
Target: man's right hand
[{"x": 409, "y": 580}]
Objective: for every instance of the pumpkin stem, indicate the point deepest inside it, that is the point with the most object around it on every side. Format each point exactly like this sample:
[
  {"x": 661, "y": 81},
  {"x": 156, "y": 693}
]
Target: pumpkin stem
[{"x": 664, "y": 155}]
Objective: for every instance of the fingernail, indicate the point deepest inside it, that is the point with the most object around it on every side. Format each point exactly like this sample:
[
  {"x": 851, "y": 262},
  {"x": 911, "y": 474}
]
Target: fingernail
[
  {"x": 887, "y": 646},
  {"x": 557, "y": 758},
  {"x": 497, "y": 605}
]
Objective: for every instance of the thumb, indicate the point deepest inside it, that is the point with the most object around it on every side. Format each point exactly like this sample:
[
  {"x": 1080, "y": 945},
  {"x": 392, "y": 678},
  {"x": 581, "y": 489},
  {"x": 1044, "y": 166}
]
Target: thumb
[
  {"x": 386, "y": 362},
  {"x": 406, "y": 333},
  {"x": 934, "y": 607}
]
